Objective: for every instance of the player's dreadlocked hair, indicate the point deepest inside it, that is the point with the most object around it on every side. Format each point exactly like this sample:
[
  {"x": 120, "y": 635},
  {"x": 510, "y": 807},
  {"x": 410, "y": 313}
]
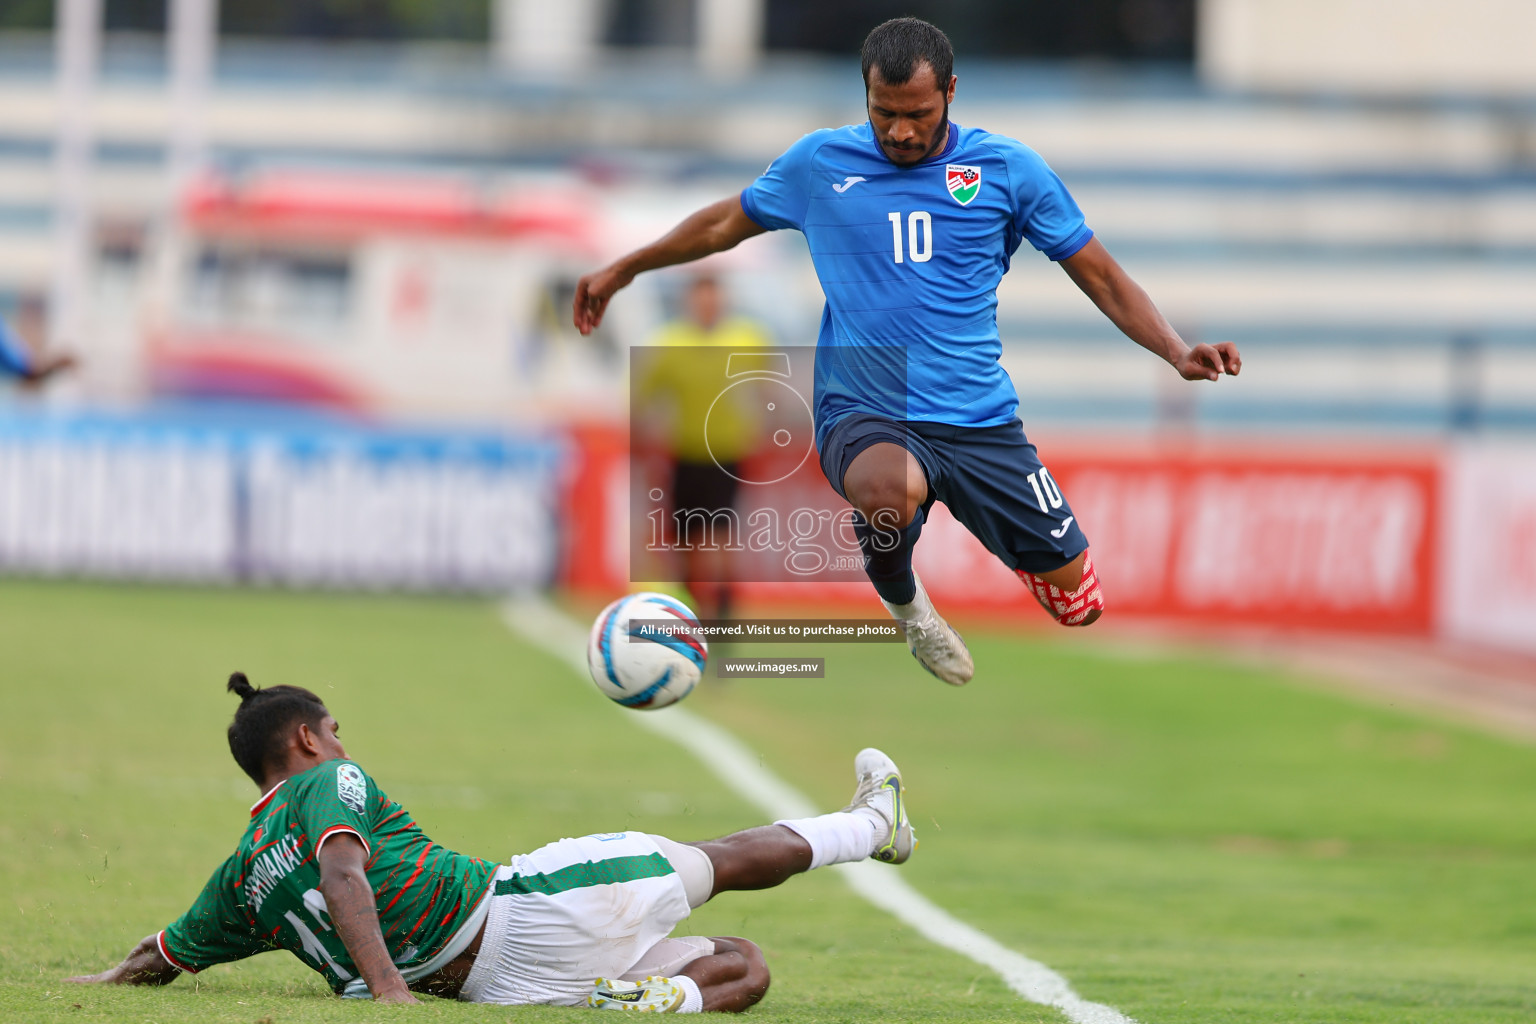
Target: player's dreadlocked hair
[
  {"x": 898, "y": 46},
  {"x": 256, "y": 736}
]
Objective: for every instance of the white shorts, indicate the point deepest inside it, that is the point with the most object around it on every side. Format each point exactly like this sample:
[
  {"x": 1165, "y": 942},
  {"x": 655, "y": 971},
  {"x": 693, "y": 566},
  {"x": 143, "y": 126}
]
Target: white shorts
[{"x": 581, "y": 909}]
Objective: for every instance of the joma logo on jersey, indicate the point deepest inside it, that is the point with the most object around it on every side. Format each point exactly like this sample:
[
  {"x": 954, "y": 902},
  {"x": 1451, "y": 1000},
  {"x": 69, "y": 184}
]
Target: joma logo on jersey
[{"x": 963, "y": 182}]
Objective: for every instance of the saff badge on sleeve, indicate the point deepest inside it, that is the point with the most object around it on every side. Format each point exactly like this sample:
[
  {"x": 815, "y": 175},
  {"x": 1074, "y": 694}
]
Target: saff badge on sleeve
[{"x": 964, "y": 182}]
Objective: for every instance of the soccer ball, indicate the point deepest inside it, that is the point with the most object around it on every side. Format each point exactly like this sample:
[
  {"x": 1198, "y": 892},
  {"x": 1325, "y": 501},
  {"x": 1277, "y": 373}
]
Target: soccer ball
[{"x": 645, "y": 668}]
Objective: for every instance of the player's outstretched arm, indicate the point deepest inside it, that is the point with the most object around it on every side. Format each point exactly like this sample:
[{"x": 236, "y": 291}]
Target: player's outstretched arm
[
  {"x": 16, "y": 360},
  {"x": 143, "y": 966},
  {"x": 46, "y": 366},
  {"x": 716, "y": 228},
  {"x": 350, "y": 903},
  {"x": 1121, "y": 299}
]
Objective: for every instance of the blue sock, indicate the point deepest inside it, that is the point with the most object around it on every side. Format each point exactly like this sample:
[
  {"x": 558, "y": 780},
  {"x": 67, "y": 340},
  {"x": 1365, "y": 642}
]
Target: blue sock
[{"x": 888, "y": 558}]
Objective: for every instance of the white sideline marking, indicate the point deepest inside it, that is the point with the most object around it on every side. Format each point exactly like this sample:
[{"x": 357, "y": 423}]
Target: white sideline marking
[{"x": 545, "y": 626}]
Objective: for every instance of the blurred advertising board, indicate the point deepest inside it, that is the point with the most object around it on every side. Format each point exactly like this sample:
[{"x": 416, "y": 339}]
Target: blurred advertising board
[
  {"x": 1488, "y": 546},
  {"x": 301, "y": 503},
  {"x": 1263, "y": 535},
  {"x": 1408, "y": 540},
  {"x": 1255, "y": 536}
]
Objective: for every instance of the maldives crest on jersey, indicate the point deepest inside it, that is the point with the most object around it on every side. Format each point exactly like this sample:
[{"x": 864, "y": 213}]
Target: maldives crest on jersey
[{"x": 964, "y": 182}]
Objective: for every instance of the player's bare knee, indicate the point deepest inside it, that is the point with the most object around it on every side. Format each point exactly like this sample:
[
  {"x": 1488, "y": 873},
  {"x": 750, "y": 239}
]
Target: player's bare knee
[
  {"x": 887, "y": 485},
  {"x": 885, "y": 504}
]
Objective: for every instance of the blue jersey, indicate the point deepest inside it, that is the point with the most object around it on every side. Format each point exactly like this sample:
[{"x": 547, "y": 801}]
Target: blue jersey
[{"x": 909, "y": 259}]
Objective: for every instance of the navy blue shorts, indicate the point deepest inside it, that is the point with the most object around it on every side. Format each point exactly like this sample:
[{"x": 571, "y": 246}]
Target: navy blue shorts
[{"x": 990, "y": 478}]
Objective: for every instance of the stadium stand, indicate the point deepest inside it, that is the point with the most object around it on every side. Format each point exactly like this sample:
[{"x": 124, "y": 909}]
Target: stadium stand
[{"x": 1373, "y": 257}]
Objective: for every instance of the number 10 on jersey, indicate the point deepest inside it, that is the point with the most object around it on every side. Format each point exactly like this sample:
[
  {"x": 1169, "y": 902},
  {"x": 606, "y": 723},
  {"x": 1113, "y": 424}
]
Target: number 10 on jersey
[{"x": 919, "y": 238}]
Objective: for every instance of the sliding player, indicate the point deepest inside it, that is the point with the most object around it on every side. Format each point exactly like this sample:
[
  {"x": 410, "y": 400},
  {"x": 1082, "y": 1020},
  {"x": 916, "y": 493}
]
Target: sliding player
[
  {"x": 911, "y": 221},
  {"x": 339, "y": 874}
]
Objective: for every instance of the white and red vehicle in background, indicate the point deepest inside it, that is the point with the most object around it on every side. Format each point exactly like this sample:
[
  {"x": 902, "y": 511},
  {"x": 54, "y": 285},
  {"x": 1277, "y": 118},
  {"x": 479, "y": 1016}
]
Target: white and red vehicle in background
[{"x": 384, "y": 295}]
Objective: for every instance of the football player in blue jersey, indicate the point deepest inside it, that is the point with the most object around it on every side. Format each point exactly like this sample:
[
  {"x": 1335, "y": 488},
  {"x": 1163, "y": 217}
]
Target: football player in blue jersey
[{"x": 911, "y": 221}]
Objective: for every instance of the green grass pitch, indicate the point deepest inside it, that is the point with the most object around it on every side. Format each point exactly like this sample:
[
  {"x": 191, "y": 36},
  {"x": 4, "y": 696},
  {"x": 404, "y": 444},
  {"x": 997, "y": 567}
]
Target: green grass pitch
[{"x": 1187, "y": 841}]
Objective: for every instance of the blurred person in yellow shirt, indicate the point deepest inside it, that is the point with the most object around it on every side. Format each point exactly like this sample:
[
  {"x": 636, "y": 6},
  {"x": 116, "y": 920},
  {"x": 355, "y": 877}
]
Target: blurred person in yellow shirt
[{"x": 687, "y": 412}]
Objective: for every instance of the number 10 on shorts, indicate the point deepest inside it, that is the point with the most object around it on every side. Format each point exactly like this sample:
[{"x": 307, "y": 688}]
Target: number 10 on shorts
[{"x": 1045, "y": 489}]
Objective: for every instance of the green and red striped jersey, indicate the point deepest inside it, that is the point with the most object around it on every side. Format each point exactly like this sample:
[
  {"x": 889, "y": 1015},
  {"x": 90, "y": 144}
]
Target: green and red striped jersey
[{"x": 431, "y": 900}]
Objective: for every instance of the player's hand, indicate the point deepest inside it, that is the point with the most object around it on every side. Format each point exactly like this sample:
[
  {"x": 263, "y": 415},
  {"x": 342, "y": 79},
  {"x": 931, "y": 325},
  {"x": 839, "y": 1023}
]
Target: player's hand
[
  {"x": 58, "y": 363},
  {"x": 47, "y": 366},
  {"x": 1209, "y": 362},
  {"x": 143, "y": 966},
  {"x": 592, "y": 294},
  {"x": 400, "y": 995}
]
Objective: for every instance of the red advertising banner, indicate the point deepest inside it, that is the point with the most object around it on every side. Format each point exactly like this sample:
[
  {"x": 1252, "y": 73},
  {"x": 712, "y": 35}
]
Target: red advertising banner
[
  {"x": 1321, "y": 541},
  {"x": 1317, "y": 539}
]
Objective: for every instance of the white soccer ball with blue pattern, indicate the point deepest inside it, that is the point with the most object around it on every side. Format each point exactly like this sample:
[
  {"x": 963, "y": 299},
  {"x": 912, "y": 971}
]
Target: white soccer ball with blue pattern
[{"x": 645, "y": 651}]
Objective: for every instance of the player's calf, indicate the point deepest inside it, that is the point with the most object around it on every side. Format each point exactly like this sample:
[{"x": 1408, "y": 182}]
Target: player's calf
[{"x": 1080, "y": 606}]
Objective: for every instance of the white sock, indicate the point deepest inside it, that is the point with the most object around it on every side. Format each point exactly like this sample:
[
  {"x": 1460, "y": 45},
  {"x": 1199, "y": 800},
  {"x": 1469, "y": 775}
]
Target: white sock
[
  {"x": 693, "y": 999},
  {"x": 917, "y": 608},
  {"x": 839, "y": 837}
]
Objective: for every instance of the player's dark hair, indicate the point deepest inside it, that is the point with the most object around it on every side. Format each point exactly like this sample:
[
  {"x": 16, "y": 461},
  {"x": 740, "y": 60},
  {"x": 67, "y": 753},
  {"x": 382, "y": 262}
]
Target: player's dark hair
[
  {"x": 897, "y": 47},
  {"x": 258, "y": 734}
]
